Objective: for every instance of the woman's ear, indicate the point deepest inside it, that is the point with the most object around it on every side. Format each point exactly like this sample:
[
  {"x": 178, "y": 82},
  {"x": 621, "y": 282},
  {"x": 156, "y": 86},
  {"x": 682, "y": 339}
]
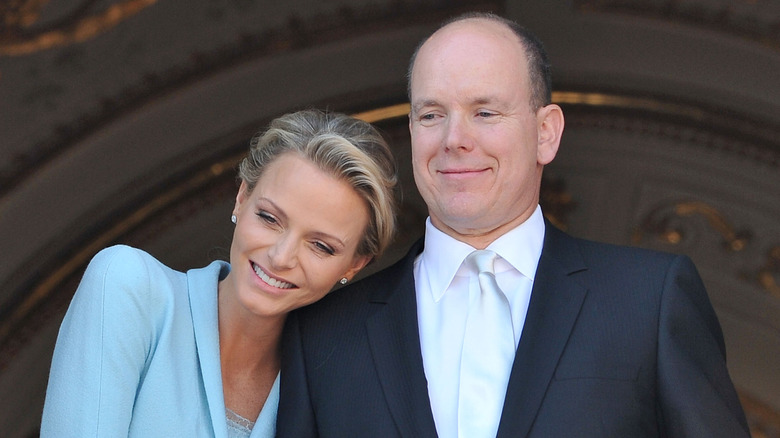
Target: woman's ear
[
  {"x": 358, "y": 263},
  {"x": 241, "y": 197},
  {"x": 550, "y": 129}
]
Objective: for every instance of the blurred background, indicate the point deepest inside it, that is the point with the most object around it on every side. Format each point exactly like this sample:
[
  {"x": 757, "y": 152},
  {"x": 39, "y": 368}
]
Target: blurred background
[{"x": 121, "y": 121}]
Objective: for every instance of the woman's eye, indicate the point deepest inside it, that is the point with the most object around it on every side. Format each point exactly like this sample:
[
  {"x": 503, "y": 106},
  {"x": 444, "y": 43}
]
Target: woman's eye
[
  {"x": 324, "y": 248},
  {"x": 266, "y": 217}
]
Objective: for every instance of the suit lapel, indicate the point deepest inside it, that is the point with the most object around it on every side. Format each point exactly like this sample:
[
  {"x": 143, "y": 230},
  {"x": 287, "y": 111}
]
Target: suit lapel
[
  {"x": 395, "y": 346},
  {"x": 556, "y": 300},
  {"x": 202, "y": 288}
]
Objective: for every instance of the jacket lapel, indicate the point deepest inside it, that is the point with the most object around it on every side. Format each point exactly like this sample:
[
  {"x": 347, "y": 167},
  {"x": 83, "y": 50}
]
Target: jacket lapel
[
  {"x": 202, "y": 285},
  {"x": 395, "y": 346},
  {"x": 556, "y": 300}
]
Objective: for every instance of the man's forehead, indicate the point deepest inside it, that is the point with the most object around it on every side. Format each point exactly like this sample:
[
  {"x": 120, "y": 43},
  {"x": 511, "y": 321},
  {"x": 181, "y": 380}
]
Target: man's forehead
[
  {"x": 484, "y": 27},
  {"x": 477, "y": 35}
]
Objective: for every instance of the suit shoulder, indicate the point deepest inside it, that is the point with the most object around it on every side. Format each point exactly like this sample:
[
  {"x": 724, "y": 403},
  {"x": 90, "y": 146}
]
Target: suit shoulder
[
  {"x": 123, "y": 254},
  {"x": 575, "y": 254},
  {"x": 122, "y": 269},
  {"x": 594, "y": 247},
  {"x": 594, "y": 251}
]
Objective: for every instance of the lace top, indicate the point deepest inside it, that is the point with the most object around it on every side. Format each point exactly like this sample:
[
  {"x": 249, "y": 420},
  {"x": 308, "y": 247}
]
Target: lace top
[
  {"x": 264, "y": 426},
  {"x": 238, "y": 426}
]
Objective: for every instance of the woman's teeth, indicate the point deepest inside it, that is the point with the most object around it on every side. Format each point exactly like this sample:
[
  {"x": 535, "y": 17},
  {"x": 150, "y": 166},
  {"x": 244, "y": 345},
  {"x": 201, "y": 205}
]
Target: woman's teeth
[{"x": 271, "y": 281}]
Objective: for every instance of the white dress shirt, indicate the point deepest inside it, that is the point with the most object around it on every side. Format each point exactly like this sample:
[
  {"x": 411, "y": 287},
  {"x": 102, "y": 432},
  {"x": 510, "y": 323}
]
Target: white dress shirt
[{"x": 444, "y": 289}]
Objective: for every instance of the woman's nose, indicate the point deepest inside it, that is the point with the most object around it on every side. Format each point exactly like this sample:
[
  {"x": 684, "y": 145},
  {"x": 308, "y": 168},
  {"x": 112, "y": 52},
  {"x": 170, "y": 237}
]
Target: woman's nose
[{"x": 283, "y": 253}]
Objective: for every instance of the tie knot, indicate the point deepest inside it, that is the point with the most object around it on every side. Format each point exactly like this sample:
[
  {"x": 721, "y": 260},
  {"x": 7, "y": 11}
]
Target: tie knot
[{"x": 482, "y": 260}]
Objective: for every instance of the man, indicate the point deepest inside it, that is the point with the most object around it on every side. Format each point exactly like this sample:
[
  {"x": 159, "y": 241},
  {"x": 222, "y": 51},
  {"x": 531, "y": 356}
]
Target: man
[{"x": 609, "y": 341}]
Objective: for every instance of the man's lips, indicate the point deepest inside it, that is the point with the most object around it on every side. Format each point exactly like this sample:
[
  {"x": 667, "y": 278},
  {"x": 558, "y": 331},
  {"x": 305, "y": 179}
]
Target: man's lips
[{"x": 464, "y": 172}]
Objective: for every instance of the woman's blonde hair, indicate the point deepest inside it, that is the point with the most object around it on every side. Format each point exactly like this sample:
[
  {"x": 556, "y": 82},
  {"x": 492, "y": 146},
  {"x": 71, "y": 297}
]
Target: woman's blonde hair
[{"x": 347, "y": 148}]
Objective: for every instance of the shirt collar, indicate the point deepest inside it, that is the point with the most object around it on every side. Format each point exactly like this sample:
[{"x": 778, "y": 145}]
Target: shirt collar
[
  {"x": 442, "y": 256},
  {"x": 521, "y": 248}
]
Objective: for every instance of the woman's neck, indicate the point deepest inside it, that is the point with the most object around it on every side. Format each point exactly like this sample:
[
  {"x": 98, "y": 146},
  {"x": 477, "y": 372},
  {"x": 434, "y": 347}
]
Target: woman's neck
[{"x": 249, "y": 347}]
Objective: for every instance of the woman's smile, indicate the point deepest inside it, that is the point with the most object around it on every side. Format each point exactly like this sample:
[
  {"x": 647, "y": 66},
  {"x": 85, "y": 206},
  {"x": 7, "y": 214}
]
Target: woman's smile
[{"x": 271, "y": 281}]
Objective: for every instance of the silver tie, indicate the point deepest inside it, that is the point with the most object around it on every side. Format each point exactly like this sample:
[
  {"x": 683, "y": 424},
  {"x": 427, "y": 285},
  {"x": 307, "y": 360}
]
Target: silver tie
[{"x": 488, "y": 353}]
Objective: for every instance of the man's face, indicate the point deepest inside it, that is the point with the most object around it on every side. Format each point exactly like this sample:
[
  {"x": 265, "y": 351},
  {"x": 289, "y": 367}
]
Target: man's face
[{"x": 474, "y": 134}]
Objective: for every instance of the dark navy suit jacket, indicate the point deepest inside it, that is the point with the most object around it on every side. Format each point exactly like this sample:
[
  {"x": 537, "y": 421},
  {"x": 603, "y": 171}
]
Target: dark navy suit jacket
[{"x": 618, "y": 342}]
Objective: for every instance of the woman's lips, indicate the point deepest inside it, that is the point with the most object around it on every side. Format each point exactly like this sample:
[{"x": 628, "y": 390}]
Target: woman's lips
[{"x": 271, "y": 281}]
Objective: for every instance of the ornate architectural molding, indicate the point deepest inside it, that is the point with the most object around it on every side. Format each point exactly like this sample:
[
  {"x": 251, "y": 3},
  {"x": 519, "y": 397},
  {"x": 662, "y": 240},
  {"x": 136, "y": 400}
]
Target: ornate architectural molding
[
  {"x": 686, "y": 122},
  {"x": 662, "y": 223},
  {"x": 671, "y": 223},
  {"x": 755, "y": 20},
  {"x": 556, "y": 201},
  {"x": 768, "y": 274},
  {"x": 764, "y": 422},
  {"x": 17, "y": 17}
]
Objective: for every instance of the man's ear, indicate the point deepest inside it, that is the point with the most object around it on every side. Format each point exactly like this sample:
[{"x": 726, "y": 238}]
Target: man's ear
[{"x": 550, "y": 128}]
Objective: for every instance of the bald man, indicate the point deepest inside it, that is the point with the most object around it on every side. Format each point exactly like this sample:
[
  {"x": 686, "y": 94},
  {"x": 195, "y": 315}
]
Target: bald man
[{"x": 608, "y": 341}]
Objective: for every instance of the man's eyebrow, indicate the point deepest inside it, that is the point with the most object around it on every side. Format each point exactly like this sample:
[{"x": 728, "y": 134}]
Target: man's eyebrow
[
  {"x": 481, "y": 100},
  {"x": 416, "y": 107},
  {"x": 484, "y": 100}
]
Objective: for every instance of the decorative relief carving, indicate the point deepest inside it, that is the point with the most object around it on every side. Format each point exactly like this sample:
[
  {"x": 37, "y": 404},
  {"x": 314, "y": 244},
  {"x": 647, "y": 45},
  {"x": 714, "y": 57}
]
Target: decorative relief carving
[
  {"x": 556, "y": 201},
  {"x": 662, "y": 222},
  {"x": 751, "y": 19},
  {"x": 768, "y": 274},
  {"x": 17, "y": 17},
  {"x": 764, "y": 422},
  {"x": 668, "y": 224},
  {"x": 688, "y": 122}
]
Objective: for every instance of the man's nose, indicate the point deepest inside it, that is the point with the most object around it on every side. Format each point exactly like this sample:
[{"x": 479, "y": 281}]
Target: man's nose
[{"x": 459, "y": 134}]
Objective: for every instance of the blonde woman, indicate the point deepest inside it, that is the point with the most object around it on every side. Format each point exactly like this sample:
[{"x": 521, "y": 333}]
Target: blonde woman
[{"x": 148, "y": 351}]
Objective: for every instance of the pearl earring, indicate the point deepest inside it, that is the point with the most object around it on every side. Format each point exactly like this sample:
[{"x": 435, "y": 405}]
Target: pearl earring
[
  {"x": 343, "y": 280},
  {"x": 233, "y": 219}
]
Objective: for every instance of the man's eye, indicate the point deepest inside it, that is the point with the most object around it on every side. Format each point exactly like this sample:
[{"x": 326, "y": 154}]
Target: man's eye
[
  {"x": 427, "y": 117},
  {"x": 485, "y": 114}
]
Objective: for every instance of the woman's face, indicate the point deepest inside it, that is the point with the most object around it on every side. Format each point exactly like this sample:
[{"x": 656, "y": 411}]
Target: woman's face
[{"x": 296, "y": 236}]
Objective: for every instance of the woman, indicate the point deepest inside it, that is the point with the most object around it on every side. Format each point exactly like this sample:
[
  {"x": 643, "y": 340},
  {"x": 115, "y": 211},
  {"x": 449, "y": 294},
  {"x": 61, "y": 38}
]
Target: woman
[{"x": 148, "y": 351}]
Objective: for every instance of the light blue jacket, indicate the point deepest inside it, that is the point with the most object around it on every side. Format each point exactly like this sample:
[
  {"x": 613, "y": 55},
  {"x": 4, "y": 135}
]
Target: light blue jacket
[{"x": 138, "y": 354}]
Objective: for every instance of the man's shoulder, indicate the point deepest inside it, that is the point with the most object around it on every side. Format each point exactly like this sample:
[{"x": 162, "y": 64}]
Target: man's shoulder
[{"x": 557, "y": 240}]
